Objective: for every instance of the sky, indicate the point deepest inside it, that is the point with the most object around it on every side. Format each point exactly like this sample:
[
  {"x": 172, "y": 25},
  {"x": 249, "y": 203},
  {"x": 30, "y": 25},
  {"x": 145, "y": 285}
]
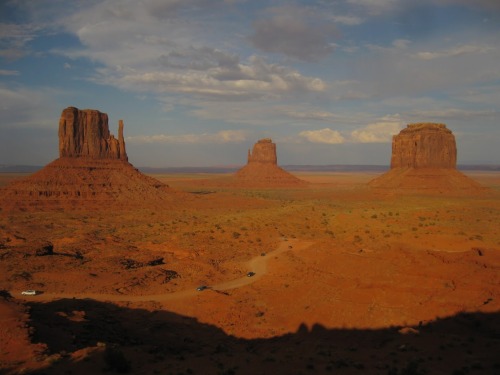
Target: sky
[{"x": 198, "y": 82}]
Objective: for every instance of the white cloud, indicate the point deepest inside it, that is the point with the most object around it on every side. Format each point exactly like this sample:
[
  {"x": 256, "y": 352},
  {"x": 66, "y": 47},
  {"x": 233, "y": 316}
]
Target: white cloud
[
  {"x": 466, "y": 49},
  {"x": 255, "y": 79},
  {"x": 378, "y": 132},
  {"x": 325, "y": 135},
  {"x": 223, "y": 136}
]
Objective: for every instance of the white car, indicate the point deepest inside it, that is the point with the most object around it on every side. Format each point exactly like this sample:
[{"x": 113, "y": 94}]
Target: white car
[{"x": 29, "y": 292}]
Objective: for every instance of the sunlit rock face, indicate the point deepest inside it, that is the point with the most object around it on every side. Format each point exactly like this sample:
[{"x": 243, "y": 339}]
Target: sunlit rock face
[
  {"x": 424, "y": 145},
  {"x": 264, "y": 151},
  {"x": 85, "y": 133}
]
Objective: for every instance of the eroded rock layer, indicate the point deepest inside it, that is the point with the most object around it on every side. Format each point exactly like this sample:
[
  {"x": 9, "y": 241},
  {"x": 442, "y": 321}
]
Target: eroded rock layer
[
  {"x": 426, "y": 180},
  {"x": 74, "y": 182}
]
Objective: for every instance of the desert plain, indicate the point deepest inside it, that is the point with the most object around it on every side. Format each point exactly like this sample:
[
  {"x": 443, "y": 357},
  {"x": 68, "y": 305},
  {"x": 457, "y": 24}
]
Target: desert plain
[{"x": 348, "y": 279}]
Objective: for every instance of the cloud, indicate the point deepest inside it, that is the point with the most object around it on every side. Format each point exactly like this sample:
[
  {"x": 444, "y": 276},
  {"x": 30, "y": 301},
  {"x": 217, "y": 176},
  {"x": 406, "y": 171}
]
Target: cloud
[
  {"x": 137, "y": 51},
  {"x": 467, "y": 49},
  {"x": 347, "y": 20},
  {"x": 454, "y": 113},
  {"x": 492, "y": 5},
  {"x": 374, "y": 7},
  {"x": 401, "y": 43},
  {"x": 325, "y": 135},
  {"x": 14, "y": 39},
  {"x": 200, "y": 58},
  {"x": 255, "y": 79},
  {"x": 289, "y": 30},
  {"x": 4, "y": 72},
  {"x": 379, "y": 132},
  {"x": 223, "y": 136},
  {"x": 316, "y": 115}
]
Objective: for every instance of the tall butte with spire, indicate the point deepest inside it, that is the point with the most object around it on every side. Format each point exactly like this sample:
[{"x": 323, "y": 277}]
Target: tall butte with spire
[
  {"x": 424, "y": 159},
  {"x": 92, "y": 167},
  {"x": 262, "y": 168},
  {"x": 85, "y": 134}
]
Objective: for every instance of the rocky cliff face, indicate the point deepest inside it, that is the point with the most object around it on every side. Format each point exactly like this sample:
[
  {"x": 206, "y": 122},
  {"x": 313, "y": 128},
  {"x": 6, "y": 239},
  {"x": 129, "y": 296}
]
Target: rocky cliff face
[
  {"x": 264, "y": 151},
  {"x": 424, "y": 145},
  {"x": 85, "y": 133}
]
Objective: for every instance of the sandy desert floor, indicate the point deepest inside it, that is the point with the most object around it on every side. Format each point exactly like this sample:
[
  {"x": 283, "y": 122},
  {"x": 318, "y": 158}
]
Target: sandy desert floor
[{"x": 347, "y": 280}]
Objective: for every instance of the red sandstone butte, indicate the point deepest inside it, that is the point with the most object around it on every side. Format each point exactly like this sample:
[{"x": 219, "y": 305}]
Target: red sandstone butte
[
  {"x": 92, "y": 169},
  {"x": 262, "y": 168},
  {"x": 424, "y": 159},
  {"x": 424, "y": 145},
  {"x": 85, "y": 133}
]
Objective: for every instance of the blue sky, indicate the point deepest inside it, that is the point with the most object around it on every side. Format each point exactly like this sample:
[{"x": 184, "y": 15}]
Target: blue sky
[{"x": 198, "y": 82}]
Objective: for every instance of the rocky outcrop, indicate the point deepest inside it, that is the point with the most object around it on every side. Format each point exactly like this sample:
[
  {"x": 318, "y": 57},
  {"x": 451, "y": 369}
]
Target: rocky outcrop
[
  {"x": 92, "y": 172},
  {"x": 264, "y": 151},
  {"x": 262, "y": 169},
  {"x": 424, "y": 159},
  {"x": 424, "y": 145},
  {"x": 85, "y": 133}
]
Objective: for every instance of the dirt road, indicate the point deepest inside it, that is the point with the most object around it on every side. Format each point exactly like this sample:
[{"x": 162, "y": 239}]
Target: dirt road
[{"x": 257, "y": 264}]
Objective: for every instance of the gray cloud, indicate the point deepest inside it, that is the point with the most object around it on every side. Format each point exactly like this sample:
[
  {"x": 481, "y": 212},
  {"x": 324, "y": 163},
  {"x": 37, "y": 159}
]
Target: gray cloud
[
  {"x": 254, "y": 79},
  {"x": 201, "y": 58},
  {"x": 290, "y": 31},
  {"x": 14, "y": 39}
]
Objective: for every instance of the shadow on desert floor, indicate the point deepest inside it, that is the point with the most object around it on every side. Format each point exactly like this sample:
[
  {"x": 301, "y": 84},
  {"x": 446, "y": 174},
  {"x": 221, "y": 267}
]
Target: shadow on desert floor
[{"x": 85, "y": 336}]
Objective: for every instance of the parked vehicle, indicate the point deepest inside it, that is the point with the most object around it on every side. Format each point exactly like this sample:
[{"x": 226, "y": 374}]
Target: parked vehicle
[
  {"x": 250, "y": 274},
  {"x": 29, "y": 292},
  {"x": 201, "y": 288}
]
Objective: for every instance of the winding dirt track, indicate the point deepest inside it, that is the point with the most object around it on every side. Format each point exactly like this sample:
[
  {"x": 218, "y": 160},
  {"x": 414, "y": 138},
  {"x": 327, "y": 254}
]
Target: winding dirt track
[{"x": 257, "y": 265}]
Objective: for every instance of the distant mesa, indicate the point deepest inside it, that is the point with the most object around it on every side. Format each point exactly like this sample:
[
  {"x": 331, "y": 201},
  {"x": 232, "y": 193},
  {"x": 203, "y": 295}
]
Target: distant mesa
[
  {"x": 424, "y": 159},
  {"x": 262, "y": 168},
  {"x": 92, "y": 168}
]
